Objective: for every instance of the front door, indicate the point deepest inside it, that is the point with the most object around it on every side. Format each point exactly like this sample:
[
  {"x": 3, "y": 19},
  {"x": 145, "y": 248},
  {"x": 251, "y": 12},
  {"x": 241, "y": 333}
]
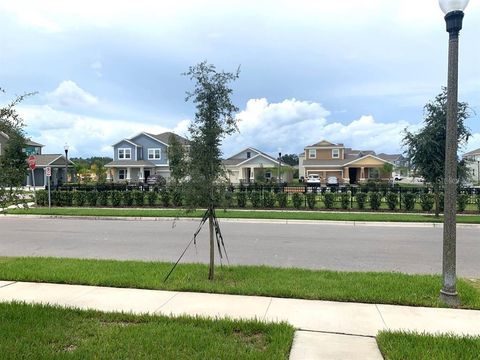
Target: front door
[
  {"x": 146, "y": 174},
  {"x": 352, "y": 174},
  {"x": 247, "y": 175}
]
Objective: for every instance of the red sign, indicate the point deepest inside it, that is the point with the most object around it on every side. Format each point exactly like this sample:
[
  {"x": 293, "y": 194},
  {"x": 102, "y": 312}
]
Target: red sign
[{"x": 32, "y": 162}]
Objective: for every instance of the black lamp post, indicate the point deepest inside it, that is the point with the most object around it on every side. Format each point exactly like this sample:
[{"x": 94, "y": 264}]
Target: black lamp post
[
  {"x": 279, "y": 164},
  {"x": 453, "y": 10},
  {"x": 65, "y": 147}
]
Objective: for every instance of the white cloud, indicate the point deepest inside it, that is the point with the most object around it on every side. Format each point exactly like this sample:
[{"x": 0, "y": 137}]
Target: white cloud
[
  {"x": 292, "y": 124},
  {"x": 97, "y": 67},
  {"x": 69, "y": 94}
]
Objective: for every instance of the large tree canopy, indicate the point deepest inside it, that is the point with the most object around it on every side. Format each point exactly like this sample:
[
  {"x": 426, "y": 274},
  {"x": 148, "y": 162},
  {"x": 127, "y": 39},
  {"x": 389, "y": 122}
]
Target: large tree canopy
[{"x": 425, "y": 149}]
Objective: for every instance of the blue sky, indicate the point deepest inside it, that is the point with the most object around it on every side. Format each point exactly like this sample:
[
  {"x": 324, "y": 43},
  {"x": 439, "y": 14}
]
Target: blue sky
[{"x": 357, "y": 72}]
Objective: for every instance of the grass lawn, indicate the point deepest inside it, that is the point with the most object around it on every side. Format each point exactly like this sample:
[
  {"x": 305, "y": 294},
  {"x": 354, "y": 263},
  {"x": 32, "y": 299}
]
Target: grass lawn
[
  {"x": 411, "y": 346},
  {"x": 385, "y": 288},
  {"x": 46, "y": 332},
  {"x": 252, "y": 214}
]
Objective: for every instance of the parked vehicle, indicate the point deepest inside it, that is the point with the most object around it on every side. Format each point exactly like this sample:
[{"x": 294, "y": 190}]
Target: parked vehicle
[
  {"x": 332, "y": 181},
  {"x": 313, "y": 179},
  {"x": 397, "y": 177}
]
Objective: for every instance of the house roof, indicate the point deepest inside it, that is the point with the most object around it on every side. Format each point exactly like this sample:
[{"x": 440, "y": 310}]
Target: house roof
[
  {"x": 325, "y": 143},
  {"x": 28, "y": 142},
  {"x": 473, "y": 152},
  {"x": 130, "y": 163},
  {"x": 232, "y": 161},
  {"x": 339, "y": 163},
  {"x": 50, "y": 159},
  {"x": 165, "y": 138},
  {"x": 389, "y": 157}
]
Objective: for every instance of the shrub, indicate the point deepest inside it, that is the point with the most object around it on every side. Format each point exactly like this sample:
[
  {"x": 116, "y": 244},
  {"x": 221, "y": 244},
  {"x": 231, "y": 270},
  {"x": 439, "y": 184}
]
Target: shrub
[
  {"x": 297, "y": 200},
  {"x": 441, "y": 201},
  {"x": 311, "y": 200},
  {"x": 477, "y": 201},
  {"x": 152, "y": 198},
  {"x": 228, "y": 199},
  {"x": 103, "y": 198},
  {"x": 256, "y": 198},
  {"x": 462, "y": 202},
  {"x": 127, "y": 198},
  {"x": 427, "y": 201},
  {"x": 282, "y": 199},
  {"x": 392, "y": 200},
  {"x": 138, "y": 197},
  {"x": 165, "y": 197},
  {"x": 375, "y": 199},
  {"x": 242, "y": 199},
  {"x": 268, "y": 199},
  {"x": 176, "y": 196},
  {"x": 329, "y": 200},
  {"x": 361, "y": 198},
  {"x": 116, "y": 198},
  {"x": 79, "y": 197},
  {"x": 92, "y": 197},
  {"x": 42, "y": 198},
  {"x": 409, "y": 201},
  {"x": 345, "y": 200}
]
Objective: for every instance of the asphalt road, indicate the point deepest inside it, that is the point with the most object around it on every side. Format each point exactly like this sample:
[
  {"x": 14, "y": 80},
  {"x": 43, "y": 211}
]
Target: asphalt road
[{"x": 316, "y": 246}]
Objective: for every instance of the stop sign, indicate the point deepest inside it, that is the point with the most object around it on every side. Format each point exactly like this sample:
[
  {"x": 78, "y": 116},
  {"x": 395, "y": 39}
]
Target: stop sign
[{"x": 32, "y": 162}]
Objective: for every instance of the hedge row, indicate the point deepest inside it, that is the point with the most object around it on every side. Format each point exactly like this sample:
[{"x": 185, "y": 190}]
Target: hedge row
[{"x": 255, "y": 199}]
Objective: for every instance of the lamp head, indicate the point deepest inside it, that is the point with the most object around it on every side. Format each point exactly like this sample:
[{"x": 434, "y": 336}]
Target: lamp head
[
  {"x": 448, "y": 6},
  {"x": 65, "y": 147}
]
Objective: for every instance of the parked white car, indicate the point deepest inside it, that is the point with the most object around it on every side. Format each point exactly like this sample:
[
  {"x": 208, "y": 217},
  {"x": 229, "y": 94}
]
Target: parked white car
[
  {"x": 332, "y": 181},
  {"x": 313, "y": 179},
  {"x": 397, "y": 177}
]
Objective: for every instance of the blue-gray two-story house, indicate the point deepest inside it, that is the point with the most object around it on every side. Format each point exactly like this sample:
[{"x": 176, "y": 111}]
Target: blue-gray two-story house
[{"x": 135, "y": 159}]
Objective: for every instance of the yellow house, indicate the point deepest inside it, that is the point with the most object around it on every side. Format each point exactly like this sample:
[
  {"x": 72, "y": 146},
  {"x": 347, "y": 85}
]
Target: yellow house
[{"x": 327, "y": 159}]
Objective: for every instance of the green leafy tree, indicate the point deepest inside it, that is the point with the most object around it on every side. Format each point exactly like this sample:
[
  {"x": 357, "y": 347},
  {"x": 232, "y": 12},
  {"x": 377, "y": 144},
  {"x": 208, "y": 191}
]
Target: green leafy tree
[
  {"x": 177, "y": 158},
  {"x": 214, "y": 120},
  {"x": 425, "y": 149},
  {"x": 13, "y": 166},
  {"x": 290, "y": 159}
]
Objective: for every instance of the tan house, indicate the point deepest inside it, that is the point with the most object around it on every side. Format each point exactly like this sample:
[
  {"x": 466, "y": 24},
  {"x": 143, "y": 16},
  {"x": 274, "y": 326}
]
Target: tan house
[
  {"x": 250, "y": 164},
  {"x": 327, "y": 159}
]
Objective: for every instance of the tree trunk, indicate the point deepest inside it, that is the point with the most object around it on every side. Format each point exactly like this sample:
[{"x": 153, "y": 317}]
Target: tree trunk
[
  {"x": 437, "y": 201},
  {"x": 212, "y": 246}
]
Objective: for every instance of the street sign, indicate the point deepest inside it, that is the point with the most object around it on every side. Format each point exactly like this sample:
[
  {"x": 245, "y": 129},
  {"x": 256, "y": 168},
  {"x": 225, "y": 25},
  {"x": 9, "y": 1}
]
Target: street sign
[
  {"x": 32, "y": 162},
  {"x": 48, "y": 171},
  {"x": 32, "y": 165}
]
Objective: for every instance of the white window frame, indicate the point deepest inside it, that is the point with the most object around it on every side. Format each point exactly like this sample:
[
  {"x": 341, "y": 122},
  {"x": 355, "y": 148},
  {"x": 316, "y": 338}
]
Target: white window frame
[
  {"x": 153, "y": 152},
  {"x": 335, "y": 151},
  {"x": 124, "y": 172},
  {"x": 312, "y": 152},
  {"x": 125, "y": 152}
]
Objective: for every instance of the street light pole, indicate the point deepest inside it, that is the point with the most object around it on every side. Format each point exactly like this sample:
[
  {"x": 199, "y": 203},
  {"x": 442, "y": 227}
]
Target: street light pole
[
  {"x": 453, "y": 10},
  {"x": 66, "y": 162},
  {"x": 279, "y": 163}
]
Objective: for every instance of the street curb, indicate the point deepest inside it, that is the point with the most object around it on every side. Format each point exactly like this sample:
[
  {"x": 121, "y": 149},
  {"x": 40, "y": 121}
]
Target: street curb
[{"x": 251, "y": 221}]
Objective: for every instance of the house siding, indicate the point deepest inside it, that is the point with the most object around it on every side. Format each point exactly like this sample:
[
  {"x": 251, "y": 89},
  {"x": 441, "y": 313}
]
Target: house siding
[
  {"x": 146, "y": 143},
  {"x": 123, "y": 145}
]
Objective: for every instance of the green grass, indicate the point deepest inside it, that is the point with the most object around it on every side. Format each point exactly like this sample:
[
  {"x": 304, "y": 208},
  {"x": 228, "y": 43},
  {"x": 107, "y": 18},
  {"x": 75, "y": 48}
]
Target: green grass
[
  {"x": 385, "y": 288},
  {"x": 238, "y": 214},
  {"x": 46, "y": 332},
  {"x": 411, "y": 346}
]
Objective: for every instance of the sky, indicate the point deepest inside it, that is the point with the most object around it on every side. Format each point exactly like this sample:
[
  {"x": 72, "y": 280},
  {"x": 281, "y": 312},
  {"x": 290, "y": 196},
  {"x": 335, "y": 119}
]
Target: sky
[{"x": 348, "y": 71}]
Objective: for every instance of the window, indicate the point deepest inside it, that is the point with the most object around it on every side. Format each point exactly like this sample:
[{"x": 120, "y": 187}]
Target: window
[
  {"x": 154, "y": 154},
  {"x": 268, "y": 175},
  {"x": 125, "y": 154},
  {"x": 122, "y": 174},
  {"x": 335, "y": 153},
  {"x": 248, "y": 154},
  {"x": 312, "y": 153}
]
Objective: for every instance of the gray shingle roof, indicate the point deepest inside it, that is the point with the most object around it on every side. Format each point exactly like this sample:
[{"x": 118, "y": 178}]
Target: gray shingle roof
[
  {"x": 165, "y": 137},
  {"x": 46, "y": 159},
  {"x": 473, "y": 152}
]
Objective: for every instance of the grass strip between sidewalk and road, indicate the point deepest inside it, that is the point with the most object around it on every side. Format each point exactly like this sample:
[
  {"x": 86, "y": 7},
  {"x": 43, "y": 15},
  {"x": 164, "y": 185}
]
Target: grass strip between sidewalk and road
[
  {"x": 47, "y": 332},
  {"x": 366, "y": 287},
  {"x": 413, "y": 346},
  {"x": 244, "y": 214}
]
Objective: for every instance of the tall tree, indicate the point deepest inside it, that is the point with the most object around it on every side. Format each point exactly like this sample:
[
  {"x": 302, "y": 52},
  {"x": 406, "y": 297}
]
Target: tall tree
[
  {"x": 177, "y": 160},
  {"x": 214, "y": 120},
  {"x": 290, "y": 159},
  {"x": 425, "y": 149}
]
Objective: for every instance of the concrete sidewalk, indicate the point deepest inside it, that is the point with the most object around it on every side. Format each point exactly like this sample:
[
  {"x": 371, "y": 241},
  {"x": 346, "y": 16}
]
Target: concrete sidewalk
[{"x": 326, "y": 329}]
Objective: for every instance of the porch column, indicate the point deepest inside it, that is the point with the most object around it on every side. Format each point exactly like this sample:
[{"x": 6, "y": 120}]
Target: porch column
[
  {"x": 252, "y": 173},
  {"x": 362, "y": 173},
  {"x": 140, "y": 174},
  {"x": 109, "y": 174},
  {"x": 129, "y": 173},
  {"x": 346, "y": 174}
]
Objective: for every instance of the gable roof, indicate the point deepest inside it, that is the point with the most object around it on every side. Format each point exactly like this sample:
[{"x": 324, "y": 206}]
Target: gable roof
[
  {"x": 232, "y": 161},
  {"x": 49, "y": 159},
  {"x": 28, "y": 141},
  {"x": 127, "y": 140},
  {"x": 366, "y": 156},
  {"x": 165, "y": 138},
  {"x": 325, "y": 143},
  {"x": 473, "y": 152}
]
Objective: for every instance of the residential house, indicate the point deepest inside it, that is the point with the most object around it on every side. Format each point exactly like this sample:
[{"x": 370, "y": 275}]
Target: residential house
[
  {"x": 400, "y": 163},
  {"x": 247, "y": 165},
  {"x": 56, "y": 162},
  {"x": 473, "y": 163},
  {"x": 136, "y": 158},
  {"x": 327, "y": 159}
]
